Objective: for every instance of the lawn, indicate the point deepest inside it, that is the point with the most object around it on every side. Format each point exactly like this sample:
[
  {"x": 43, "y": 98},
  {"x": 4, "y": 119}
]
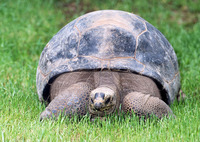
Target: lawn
[{"x": 25, "y": 28}]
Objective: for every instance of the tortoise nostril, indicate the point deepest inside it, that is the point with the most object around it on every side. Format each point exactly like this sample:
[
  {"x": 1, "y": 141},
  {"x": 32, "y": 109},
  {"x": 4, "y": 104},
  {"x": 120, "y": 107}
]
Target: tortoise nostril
[{"x": 98, "y": 106}]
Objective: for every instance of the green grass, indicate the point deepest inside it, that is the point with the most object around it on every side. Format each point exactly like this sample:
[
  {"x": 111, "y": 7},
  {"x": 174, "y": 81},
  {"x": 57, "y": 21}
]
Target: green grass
[{"x": 25, "y": 28}]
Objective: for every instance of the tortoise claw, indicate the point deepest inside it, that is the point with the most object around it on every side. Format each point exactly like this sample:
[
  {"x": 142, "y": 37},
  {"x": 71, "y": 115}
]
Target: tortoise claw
[{"x": 45, "y": 114}]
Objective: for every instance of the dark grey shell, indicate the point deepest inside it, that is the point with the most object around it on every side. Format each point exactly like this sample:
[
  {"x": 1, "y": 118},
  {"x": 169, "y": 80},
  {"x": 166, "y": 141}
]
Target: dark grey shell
[{"x": 113, "y": 40}]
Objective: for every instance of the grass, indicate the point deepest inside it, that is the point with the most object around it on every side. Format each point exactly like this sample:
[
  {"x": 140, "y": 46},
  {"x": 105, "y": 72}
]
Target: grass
[{"x": 26, "y": 27}]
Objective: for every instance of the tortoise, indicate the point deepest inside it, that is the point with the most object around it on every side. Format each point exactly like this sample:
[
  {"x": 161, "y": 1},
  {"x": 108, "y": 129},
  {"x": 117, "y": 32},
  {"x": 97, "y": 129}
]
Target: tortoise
[{"x": 107, "y": 61}]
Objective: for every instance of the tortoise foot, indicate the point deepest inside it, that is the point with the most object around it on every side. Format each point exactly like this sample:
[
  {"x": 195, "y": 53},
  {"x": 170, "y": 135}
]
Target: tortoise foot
[
  {"x": 45, "y": 114},
  {"x": 145, "y": 105}
]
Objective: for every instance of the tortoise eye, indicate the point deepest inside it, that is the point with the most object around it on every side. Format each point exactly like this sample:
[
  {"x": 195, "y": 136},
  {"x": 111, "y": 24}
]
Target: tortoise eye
[
  {"x": 107, "y": 100},
  {"x": 92, "y": 101}
]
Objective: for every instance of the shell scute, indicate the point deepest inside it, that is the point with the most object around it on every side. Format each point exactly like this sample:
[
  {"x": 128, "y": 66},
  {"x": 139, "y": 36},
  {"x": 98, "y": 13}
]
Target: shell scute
[{"x": 89, "y": 42}]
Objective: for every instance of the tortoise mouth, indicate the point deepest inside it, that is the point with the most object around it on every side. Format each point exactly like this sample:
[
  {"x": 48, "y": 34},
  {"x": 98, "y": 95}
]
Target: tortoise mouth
[
  {"x": 107, "y": 108},
  {"x": 102, "y": 111}
]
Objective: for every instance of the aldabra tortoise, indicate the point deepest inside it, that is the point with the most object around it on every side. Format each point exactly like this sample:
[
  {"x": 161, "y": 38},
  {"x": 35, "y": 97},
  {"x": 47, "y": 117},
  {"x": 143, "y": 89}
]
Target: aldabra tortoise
[{"x": 105, "y": 59}]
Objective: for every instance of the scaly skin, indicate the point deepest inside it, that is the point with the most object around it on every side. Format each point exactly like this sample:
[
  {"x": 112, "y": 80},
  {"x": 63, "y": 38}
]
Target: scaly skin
[
  {"x": 145, "y": 105},
  {"x": 73, "y": 100}
]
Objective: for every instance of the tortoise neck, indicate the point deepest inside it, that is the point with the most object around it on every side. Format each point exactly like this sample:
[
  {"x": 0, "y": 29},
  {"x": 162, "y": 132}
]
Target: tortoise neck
[
  {"x": 107, "y": 78},
  {"x": 110, "y": 80}
]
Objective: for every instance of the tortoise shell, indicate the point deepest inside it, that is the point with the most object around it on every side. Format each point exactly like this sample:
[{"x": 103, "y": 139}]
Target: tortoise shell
[{"x": 112, "y": 40}]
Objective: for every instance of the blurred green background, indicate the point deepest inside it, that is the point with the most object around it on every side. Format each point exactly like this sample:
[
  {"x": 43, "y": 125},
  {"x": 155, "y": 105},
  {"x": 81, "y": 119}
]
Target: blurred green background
[{"x": 25, "y": 28}]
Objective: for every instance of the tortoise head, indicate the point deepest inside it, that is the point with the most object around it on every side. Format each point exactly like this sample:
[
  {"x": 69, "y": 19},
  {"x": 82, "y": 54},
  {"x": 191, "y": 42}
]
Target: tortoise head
[{"x": 103, "y": 100}]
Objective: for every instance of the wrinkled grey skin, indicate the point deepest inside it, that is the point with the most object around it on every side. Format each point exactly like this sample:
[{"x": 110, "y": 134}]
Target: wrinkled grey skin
[{"x": 112, "y": 40}]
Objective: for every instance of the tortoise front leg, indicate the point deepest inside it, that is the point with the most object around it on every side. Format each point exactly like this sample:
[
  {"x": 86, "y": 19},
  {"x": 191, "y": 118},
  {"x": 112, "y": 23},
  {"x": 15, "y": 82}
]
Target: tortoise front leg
[
  {"x": 145, "y": 105},
  {"x": 73, "y": 100}
]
